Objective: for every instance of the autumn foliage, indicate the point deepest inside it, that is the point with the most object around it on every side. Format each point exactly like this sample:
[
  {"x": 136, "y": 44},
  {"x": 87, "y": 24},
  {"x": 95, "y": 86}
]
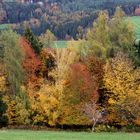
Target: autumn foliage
[
  {"x": 31, "y": 62},
  {"x": 91, "y": 82}
]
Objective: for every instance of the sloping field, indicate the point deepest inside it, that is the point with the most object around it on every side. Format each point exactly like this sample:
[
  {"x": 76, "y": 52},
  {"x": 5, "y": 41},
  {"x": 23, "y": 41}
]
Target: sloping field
[
  {"x": 60, "y": 44},
  {"x": 4, "y": 26},
  {"x": 64, "y": 43},
  {"x": 42, "y": 135},
  {"x": 136, "y": 22}
]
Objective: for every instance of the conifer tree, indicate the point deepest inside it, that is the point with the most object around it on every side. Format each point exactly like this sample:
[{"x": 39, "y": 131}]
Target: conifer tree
[{"x": 33, "y": 40}]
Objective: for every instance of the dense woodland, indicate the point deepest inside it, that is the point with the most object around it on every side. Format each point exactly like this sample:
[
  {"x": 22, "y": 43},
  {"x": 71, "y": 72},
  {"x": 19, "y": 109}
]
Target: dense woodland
[
  {"x": 65, "y": 18},
  {"x": 95, "y": 81}
]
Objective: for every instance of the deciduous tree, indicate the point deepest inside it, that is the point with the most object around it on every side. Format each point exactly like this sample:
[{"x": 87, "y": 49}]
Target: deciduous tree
[
  {"x": 121, "y": 80},
  {"x": 12, "y": 58},
  {"x": 47, "y": 39}
]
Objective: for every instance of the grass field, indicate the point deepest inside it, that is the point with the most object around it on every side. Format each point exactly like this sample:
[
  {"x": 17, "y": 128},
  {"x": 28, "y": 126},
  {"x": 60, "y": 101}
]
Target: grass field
[
  {"x": 136, "y": 21},
  {"x": 42, "y": 135},
  {"x": 4, "y": 26},
  {"x": 60, "y": 44}
]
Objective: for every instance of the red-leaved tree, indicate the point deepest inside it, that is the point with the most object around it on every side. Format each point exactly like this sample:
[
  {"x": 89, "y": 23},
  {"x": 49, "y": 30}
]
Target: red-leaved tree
[{"x": 31, "y": 63}]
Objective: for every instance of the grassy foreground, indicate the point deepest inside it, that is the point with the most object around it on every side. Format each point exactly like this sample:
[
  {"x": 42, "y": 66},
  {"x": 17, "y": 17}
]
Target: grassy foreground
[{"x": 46, "y": 135}]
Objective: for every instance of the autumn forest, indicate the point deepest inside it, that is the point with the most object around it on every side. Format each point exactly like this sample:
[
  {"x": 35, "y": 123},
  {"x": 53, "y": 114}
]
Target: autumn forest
[{"x": 93, "y": 83}]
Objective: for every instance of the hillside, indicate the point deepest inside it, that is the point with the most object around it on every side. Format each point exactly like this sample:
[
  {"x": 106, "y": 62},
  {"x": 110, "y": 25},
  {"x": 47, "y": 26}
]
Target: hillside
[
  {"x": 74, "y": 5},
  {"x": 92, "y": 83},
  {"x": 65, "y": 18}
]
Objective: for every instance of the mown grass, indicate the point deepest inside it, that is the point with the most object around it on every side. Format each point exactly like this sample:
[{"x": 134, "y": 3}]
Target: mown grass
[{"x": 48, "y": 135}]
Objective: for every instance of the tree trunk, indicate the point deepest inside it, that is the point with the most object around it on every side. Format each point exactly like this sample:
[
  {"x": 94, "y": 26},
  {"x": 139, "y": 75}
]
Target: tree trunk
[{"x": 93, "y": 126}]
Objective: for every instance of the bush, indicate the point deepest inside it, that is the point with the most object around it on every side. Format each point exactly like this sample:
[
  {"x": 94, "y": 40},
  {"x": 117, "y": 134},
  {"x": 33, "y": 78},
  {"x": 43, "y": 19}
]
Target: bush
[{"x": 105, "y": 128}]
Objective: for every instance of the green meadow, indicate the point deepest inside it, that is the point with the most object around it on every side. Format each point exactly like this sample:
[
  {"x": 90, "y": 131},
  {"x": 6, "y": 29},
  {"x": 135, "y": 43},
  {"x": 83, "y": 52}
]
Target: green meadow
[
  {"x": 60, "y": 44},
  {"x": 5, "y": 26},
  {"x": 48, "y": 135},
  {"x": 136, "y": 22}
]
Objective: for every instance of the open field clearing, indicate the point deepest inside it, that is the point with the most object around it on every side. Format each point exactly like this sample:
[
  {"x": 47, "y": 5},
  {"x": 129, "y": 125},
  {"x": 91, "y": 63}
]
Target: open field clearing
[
  {"x": 42, "y": 135},
  {"x": 60, "y": 44},
  {"x": 5, "y": 26},
  {"x": 136, "y": 21}
]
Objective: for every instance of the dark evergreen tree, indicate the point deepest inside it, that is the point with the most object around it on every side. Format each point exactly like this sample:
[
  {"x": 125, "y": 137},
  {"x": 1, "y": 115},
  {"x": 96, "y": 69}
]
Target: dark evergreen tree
[
  {"x": 33, "y": 40},
  {"x": 136, "y": 51},
  {"x": 3, "y": 118}
]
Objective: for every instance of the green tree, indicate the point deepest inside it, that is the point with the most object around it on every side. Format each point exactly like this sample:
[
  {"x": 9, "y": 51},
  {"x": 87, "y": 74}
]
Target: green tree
[
  {"x": 47, "y": 39},
  {"x": 12, "y": 58},
  {"x": 136, "y": 53},
  {"x": 98, "y": 38},
  {"x": 33, "y": 40},
  {"x": 122, "y": 33},
  {"x": 111, "y": 35}
]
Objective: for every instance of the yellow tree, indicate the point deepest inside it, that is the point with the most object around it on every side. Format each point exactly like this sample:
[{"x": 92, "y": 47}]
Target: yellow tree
[
  {"x": 52, "y": 94},
  {"x": 49, "y": 102},
  {"x": 3, "y": 80},
  {"x": 47, "y": 39},
  {"x": 16, "y": 112},
  {"x": 121, "y": 80}
]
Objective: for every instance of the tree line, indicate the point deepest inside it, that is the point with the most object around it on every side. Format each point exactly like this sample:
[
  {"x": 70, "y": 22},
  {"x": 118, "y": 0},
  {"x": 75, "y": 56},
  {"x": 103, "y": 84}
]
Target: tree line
[
  {"x": 93, "y": 82},
  {"x": 63, "y": 18}
]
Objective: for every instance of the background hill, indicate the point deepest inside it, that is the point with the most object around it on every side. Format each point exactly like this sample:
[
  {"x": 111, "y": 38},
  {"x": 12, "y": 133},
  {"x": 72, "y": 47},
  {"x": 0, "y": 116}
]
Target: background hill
[{"x": 65, "y": 18}]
